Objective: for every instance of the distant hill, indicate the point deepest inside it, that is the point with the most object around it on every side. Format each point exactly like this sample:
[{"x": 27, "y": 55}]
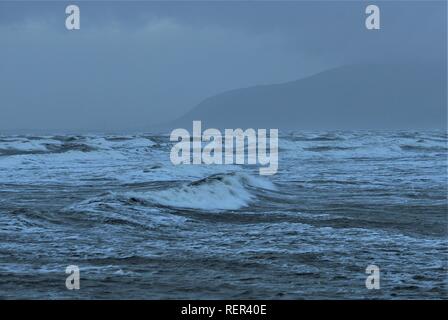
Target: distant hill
[{"x": 349, "y": 97}]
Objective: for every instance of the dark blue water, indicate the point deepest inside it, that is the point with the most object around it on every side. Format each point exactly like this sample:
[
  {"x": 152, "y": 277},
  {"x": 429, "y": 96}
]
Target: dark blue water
[{"x": 139, "y": 227}]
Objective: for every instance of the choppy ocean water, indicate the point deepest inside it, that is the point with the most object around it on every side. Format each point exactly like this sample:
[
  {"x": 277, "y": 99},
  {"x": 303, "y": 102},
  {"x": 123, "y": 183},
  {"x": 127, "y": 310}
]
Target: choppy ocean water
[{"x": 139, "y": 227}]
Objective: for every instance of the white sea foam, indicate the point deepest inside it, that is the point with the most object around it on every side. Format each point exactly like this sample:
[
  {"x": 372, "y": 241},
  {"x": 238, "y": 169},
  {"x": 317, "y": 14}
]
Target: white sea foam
[
  {"x": 127, "y": 143},
  {"x": 218, "y": 192},
  {"x": 27, "y": 145}
]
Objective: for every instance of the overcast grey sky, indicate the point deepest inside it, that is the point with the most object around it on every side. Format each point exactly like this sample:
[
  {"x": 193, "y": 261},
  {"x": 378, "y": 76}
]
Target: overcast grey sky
[{"x": 139, "y": 63}]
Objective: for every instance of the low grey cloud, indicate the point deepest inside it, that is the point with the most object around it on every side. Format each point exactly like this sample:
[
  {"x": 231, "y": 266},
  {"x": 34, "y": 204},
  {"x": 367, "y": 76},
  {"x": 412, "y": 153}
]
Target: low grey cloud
[{"x": 134, "y": 65}]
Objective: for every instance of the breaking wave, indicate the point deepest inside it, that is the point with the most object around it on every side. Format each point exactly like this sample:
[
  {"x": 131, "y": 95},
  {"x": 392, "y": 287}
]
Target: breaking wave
[
  {"x": 217, "y": 192},
  {"x": 60, "y": 144}
]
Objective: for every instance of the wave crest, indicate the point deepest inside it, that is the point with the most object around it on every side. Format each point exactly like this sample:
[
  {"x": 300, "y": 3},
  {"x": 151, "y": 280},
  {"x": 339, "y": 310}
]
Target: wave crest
[{"x": 217, "y": 192}]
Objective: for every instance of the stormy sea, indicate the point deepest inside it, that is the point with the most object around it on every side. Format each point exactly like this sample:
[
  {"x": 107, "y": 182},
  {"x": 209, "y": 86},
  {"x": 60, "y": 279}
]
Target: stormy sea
[{"x": 139, "y": 227}]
